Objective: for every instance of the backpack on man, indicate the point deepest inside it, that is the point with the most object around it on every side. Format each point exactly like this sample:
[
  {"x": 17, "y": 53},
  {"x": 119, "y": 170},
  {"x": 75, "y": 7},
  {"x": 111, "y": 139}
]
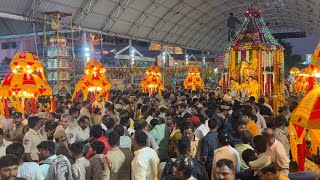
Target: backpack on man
[{"x": 60, "y": 169}]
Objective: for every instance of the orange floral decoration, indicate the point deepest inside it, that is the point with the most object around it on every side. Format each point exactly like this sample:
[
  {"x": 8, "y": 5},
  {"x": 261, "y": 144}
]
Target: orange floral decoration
[
  {"x": 193, "y": 80},
  {"x": 152, "y": 81},
  {"x": 26, "y": 80},
  {"x": 93, "y": 83}
]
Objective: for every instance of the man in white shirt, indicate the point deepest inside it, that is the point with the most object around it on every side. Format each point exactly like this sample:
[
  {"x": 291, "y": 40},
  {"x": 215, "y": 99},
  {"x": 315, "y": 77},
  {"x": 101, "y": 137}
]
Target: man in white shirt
[
  {"x": 225, "y": 152},
  {"x": 204, "y": 129},
  {"x": 81, "y": 132},
  {"x": 277, "y": 151},
  {"x": 146, "y": 161}
]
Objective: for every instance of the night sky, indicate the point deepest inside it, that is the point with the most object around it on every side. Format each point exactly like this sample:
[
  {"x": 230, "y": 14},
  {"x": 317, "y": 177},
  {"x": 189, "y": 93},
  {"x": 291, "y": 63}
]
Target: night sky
[{"x": 303, "y": 46}]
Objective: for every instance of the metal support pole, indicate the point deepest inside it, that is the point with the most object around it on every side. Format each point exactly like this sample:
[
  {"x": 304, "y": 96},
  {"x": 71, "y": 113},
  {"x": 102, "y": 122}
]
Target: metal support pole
[
  {"x": 203, "y": 64},
  {"x": 84, "y": 45},
  {"x": 34, "y": 28},
  {"x": 162, "y": 63},
  {"x": 131, "y": 53},
  {"x": 216, "y": 78},
  {"x": 185, "y": 55}
]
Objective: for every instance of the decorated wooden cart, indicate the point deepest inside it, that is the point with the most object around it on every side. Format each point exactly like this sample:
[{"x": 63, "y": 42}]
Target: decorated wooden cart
[
  {"x": 152, "y": 81},
  {"x": 193, "y": 81},
  {"x": 93, "y": 83},
  {"x": 24, "y": 84},
  {"x": 254, "y": 61}
]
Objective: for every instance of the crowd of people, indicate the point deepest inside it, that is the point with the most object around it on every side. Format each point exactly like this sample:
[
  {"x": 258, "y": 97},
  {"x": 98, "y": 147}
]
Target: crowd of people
[{"x": 178, "y": 135}]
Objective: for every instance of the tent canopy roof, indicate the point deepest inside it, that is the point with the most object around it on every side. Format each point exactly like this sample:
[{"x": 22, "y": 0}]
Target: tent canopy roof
[{"x": 198, "y": 24}]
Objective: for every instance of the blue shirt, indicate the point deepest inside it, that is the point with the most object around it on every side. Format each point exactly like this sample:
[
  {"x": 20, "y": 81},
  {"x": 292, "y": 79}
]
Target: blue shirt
[
  {"x": 209, "y": 144},
  {"x": 30, "y": 170}
]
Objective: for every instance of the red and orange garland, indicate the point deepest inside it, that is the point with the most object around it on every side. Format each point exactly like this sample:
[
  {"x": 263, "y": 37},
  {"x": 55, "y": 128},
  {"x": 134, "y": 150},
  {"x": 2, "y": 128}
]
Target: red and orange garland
[
  {"x": 193, "y": 80},
  {"x": 152, "y": 81}
]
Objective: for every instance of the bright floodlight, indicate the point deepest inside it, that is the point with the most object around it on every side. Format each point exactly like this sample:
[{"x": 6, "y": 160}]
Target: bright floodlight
[
  {"x": 86, "y": 49},
  {"x": 87, "y": 54}
]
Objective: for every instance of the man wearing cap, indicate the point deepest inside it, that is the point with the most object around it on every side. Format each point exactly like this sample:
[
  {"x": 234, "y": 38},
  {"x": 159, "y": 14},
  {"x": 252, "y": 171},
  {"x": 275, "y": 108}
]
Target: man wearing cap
[
  {"x": 18, "y": 129},
  {"x": 61, "y": 144},
  {"x": 44, "y": 116},
  {"x": 197, "y": 123}
]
